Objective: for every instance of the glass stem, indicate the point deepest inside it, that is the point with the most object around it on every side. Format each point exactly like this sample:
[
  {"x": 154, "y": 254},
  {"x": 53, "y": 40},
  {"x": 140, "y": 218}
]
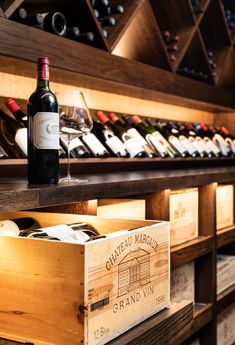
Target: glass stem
[{"x": 68, "y": 165}]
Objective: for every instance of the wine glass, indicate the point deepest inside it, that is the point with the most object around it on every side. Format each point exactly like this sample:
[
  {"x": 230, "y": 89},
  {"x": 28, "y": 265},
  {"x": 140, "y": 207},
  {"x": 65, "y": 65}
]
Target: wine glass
[{"x": 75, "y": 120}]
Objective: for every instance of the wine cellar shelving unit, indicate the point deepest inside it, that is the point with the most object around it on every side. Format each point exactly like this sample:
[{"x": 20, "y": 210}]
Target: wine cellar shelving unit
[
  {"x": 142, "y": 70},
  {"x": 137, "y": 34}
]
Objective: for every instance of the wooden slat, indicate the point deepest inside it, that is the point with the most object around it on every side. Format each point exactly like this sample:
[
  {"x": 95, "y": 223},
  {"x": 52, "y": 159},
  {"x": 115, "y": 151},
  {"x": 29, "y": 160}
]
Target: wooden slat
[
  {"x": 225, "y": 298},
  {"x": 9, "y": 6},
  {"x": 225, "y": 236},
  {"x": 87, "y": 65},
  {"x": 186, "y": 252}
]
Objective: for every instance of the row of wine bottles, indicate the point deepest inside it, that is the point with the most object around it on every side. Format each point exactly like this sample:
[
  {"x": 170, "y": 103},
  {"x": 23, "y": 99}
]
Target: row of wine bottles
[
  {"x": 106, "y": 12},
  {"x": 123, "y": 136},
  {"x": 79, "y": 232}
]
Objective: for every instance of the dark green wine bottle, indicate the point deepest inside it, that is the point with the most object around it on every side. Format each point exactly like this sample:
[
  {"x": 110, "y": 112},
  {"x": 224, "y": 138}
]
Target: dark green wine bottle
[{"x": 43, "y": 130}]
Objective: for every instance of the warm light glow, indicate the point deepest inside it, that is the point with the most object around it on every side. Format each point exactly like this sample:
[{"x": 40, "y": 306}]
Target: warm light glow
[{"x": 22, "y": 87}]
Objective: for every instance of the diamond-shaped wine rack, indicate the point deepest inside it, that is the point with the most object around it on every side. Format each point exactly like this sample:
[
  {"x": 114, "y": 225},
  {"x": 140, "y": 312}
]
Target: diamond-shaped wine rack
[{"x": 194, "y": 38}]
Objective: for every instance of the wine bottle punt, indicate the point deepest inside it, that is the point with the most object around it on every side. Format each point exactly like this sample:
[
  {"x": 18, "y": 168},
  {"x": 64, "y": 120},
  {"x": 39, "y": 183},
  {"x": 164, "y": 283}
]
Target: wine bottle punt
[{"x": 43, "y": 130}]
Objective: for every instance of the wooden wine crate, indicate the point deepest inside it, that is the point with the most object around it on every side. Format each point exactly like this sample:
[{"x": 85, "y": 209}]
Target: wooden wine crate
[
  {"x": 127, "y": 208},
  {"x": 224, "y": 206},
  {"x": 182, "y": 283},
  {"x": 225, "y": 326},
  {"x": 225, "y": 272},
  {"x": 183, "y": 215},
  {"x": 72, "y": 294}
]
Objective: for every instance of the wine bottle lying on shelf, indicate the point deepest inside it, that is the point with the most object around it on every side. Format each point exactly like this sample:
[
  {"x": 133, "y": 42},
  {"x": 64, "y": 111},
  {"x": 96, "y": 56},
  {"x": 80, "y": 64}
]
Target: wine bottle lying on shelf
[
  {"x": 106, "y": 135},
  {"x": 54, "y": 22},
  {"x": 13, "y": 136},
  {"x": 105, "y": 11}
]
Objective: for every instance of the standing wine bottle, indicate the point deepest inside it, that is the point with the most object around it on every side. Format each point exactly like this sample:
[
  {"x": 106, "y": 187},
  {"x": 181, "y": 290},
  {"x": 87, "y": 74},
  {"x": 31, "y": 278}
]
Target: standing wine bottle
[
  {"x": 114, "y": 142},
  {"x": 13, "y": 227},
  {"x": 15, "y": 134},
  {"x": 43, "y": 130},
  {"x": 132, "y": 145}
]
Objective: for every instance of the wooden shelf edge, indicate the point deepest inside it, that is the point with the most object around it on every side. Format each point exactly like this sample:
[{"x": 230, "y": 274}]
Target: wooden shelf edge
[
  {"x": 225, "y": 236},
  {"x": 89, "y": 165},
  {"x": 165, "y": 327},
  {"x": 225, "y": 298},
  {"x": 81, "y": 69},
  {"x": 190, "y": 250},
  {"x": 202, "y": 315}
]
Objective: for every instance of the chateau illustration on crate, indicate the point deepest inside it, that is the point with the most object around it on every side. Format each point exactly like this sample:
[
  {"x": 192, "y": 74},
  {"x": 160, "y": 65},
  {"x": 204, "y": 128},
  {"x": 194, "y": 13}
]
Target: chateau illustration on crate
[{"x": 133, "y": 271}]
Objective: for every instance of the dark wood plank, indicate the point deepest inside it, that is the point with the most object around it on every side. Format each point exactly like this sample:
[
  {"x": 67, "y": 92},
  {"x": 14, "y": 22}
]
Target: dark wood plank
[
  {"x": 225, "y": 298},
  {"x": 2, "y": 14},
  {"x": 205, "y": 266},
  {"x": 90, "y": 66},
  {"x": 225, "y": 236},
  {"x": 190, "y": 250},
  {"x": 16, "y": 194},
  {"x": 165, "y": 328}
]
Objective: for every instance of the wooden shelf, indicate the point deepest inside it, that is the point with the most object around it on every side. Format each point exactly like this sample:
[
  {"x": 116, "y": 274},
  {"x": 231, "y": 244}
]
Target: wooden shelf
[
  {"x": 89, "y": 67},
  {"x": 225, "y": 298},
  {"x": 190, "y": 250},
  {"x": 167, "y": 327},
  {"x": 225, "y": 236},
  {"x": 16, "y": 194}
]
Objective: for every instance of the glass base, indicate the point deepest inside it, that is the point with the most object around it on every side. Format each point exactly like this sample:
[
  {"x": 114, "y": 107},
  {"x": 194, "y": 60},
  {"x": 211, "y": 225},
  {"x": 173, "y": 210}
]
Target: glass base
[{"x": 72, "y": 179}]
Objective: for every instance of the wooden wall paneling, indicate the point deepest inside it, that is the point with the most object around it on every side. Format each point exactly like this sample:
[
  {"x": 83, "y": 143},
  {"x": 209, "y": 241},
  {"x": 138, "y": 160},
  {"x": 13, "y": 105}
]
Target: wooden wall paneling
[
  {"x": 181, "y": 24},
  {"x": 142, "y": 39},
  {"x": 216, "y": 37},
  {"x": 205, "y": 267},
  {"x": 9, "y": 6},
  {"x": 196, "y": 61}
]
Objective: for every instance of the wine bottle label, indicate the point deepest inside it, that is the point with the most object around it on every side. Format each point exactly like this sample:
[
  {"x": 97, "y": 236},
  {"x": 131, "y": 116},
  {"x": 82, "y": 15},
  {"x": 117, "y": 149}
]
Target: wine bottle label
[
  {"x": 94, "y": 144},
  {"x": 132, "y": 146},
  {"x": 21, "y": 139},
  {"x": 65, "y": 233},
  {"x": 74, "y": 143},
  {"x": 135, "y": 134},
  {"x": 161, "y": 138},
  {"x": 9, "y": 228},
  {"x": 46, "y": 131},
  {"x": 230, "y": 142},
  {"x": 197, "y": 145},
  {"x": 213, "y": 147},
  {"x": 155, "y": 143},
  {"x": 203, "y": 145},
  {"x": 187, "y": 144},
  {"x": 115, "y": 144},
  {"x": 219, "y": 140},
  {"x": 177, "y": 144}
]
